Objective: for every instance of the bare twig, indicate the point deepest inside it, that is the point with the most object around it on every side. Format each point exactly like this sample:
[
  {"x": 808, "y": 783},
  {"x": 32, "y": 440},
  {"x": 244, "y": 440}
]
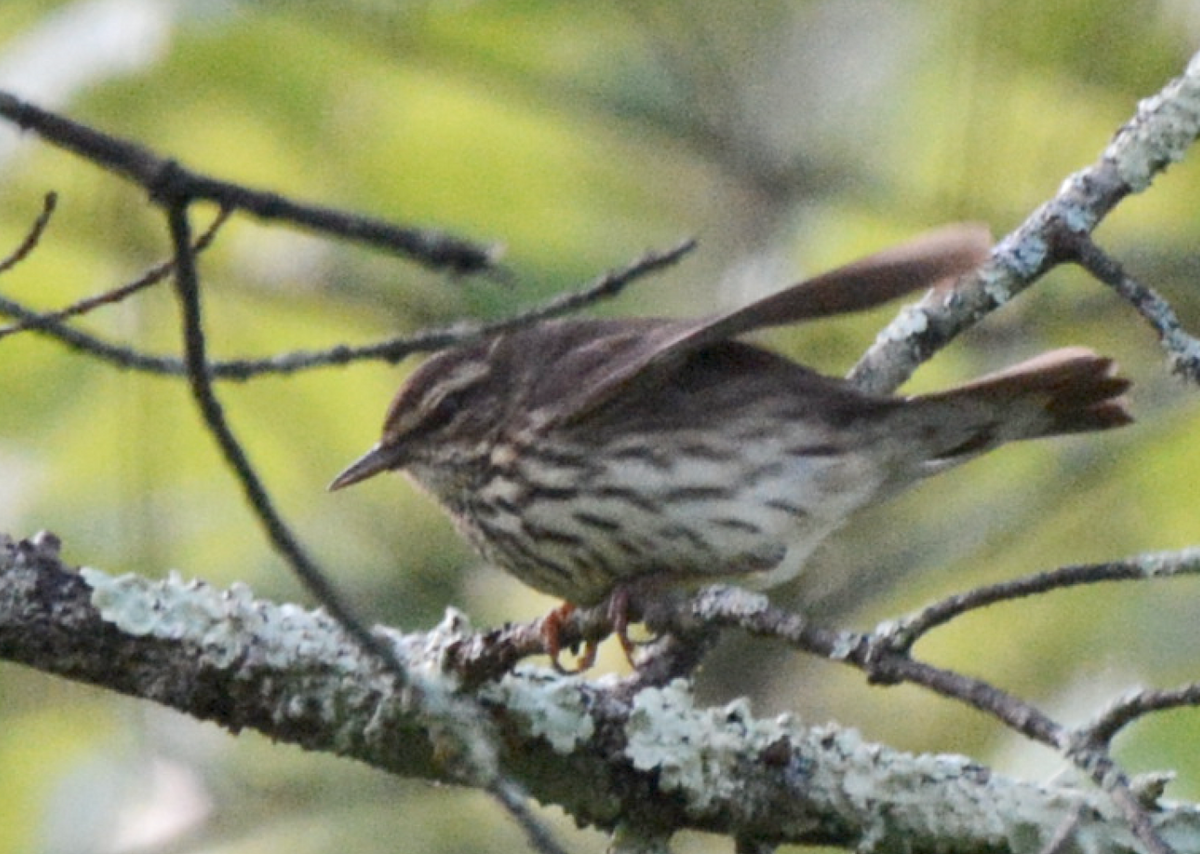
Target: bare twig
[
  {"x": 1129, "y": 707},
  {"x": 187, "y": 287},
  {"x": 1183, "y": 350},
  {"x": 150, "y": 277},
  {"x": 49, "y": 202},
  {"x": 1061, "y": 842},
  {"x": 83, "y": 342},
  {"x": 391, "y": 350},
  {"x": 754, "y": 846},
  {"x": 433, "y": 249},
  {"x": 903, "y": 633},
  {"x": 516, "y": 804}
]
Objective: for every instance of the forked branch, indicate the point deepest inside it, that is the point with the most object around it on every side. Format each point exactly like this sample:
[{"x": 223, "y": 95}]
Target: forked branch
[{"x": 1164, "y": 128}]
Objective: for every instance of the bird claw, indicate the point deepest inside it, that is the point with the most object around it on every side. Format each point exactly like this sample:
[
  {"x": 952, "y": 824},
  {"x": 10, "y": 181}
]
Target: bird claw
[
  {"x": 551, "y": 631},
  {"x": 618, "y": 613}
]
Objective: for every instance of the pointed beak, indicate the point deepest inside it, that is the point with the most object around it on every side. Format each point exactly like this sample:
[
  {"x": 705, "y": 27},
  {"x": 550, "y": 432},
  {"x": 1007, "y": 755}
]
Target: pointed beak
[{"x": 379, "y": 458}]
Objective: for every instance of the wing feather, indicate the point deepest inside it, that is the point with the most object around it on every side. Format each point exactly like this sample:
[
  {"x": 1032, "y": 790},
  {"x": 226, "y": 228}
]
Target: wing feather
[{"x": 924, "y": 262}]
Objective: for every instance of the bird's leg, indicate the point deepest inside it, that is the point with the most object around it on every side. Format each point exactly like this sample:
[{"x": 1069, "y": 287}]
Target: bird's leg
[
  {"x": 618, "y": 613},
  {"x": 551, "y": 629}
]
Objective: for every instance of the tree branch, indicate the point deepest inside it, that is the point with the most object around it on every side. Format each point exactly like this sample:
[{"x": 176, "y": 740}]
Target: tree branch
[
  {"x": 1161, "y": 132},
  {"x": 187, "y": 288},
  {"x": 636, "y": 756},
  {"x": 1183, "y": 350},
  {"x": 52, "y": 320},
  {"x": 135, "y": 162},
  {"x": 33, "y": 236},
  {"x": 903, "y": 633},
  {"x": 605, "y": 286},
  {"x": 611, "y": 760}
]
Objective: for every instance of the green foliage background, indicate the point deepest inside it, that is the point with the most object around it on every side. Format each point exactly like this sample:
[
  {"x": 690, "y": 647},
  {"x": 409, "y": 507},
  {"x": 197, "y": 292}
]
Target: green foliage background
[{"x": 787, "y": 136}]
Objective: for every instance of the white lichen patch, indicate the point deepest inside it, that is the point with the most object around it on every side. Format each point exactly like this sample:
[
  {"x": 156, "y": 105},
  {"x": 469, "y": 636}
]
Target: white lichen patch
[
  {"x": 224, "y": 624},
  {"x": 1164, "y": 137},
  {"x": 552, "y": 707},
  {"x": 696, "y": 751},
  {"x": 1022, "y": 256},
  {"x": 997, "y": 289},
  {"x": 328, "y": 675},
  {"x": 1075, "y": 217},
  {"x": 720, "y": 600},
  {"x": 1165, "y": 564},
  {"x": 1165, "y": 128},
  {"x": 876, "y": 775},
  {"x": 910, "y": 322}
]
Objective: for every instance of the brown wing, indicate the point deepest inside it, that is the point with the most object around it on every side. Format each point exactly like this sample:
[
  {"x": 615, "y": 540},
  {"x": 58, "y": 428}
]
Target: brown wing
[{"x": 921, "y": 263}]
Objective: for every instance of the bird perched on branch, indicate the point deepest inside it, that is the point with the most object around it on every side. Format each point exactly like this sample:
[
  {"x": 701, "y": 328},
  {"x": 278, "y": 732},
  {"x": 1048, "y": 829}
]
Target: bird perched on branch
[{"x": 594, "y": 458}]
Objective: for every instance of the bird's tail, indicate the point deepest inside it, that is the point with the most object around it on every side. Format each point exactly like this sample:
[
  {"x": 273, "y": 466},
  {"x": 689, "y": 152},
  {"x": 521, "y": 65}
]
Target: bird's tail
[{"x": 1072, "y": 390}]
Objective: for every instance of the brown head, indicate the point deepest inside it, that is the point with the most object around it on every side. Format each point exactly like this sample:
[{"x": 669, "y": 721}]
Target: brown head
[
  {"x": 450, "y": 402},
  {"x": 454, "y": 404}
]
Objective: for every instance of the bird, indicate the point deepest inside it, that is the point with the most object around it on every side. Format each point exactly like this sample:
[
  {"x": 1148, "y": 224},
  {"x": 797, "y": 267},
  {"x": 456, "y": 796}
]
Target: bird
[{"x": 596, "y": 458}]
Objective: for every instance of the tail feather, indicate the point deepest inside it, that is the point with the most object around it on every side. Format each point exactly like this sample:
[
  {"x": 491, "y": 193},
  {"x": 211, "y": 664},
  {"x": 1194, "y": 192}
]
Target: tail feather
[
  {"x": 1072, "y": 390},
  {"x": 1078, "y": 390}
]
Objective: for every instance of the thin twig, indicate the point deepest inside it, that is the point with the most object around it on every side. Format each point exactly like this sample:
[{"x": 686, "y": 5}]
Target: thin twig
[
  {"x": 49, "y": 202},
  {"x": 1164, "y": 128},
  {"x": 516, "y": 804},
  {"x": 83, "y": 342},
  {"x": 188, "y": 289},
  {"x": 314, "y": 579},
  {"x": 152, "y": 276},
  {"x": 904, "y": 632},
  {"x": 1128, "y": 708},
  {"x": 391, "y": 350},
  {"x": 885, "y": 666},
  {"x": 1109, "y": 777},
  {"x": 753, "y": 846},
  {"x": 431, "y": 248},
  {"x": 1061, "y": 841},
  {"x": 874, "y": 656},
  {"x": 1183, "y": 350}
]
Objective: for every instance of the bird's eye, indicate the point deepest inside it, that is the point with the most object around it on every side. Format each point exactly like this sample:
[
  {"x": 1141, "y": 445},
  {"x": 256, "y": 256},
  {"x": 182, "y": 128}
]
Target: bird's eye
[{"x": 443, "y": 413}]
